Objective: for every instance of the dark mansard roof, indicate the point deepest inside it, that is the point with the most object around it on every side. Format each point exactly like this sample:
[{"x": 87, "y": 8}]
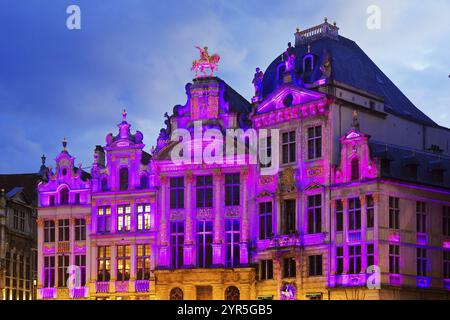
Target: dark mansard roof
[
  {"x": 350, "y": 66},
  {"x": 400, "y": 158},
  {"x": 13, "y": 183}
]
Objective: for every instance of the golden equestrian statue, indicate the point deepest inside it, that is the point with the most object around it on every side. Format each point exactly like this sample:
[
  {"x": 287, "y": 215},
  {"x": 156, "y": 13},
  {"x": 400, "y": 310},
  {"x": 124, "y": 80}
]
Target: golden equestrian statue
[{"x": 205, "y": 62}]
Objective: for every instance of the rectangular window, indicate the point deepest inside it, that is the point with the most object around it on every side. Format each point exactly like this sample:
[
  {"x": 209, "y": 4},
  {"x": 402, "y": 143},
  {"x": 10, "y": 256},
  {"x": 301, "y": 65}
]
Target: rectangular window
[
  {"x": 143, "y": 217},
  {"x": 266, "y": 162},
  {"x": 288, "y": 217},
  {"x": 370, "y": 255},
  {"x": 422, "y": 262},
  {"x": 267, "y": 270},
  {"x": 177, "y": 243},
  {"x": 370, "y": 206},
  {"x": 177, "y": 193},
  {"x": 49, "y": 272},
  {"x": 123, "y": 263},
  {"x": 51, "y": 201},
  {"x": 288, "y": 146},
  {"x": 49, "y": 231},
  {"x": 143, "y": 262},
  {"x": 265, "y": 220},
  {"x": 354, "y": 254},
  {"x": 232, "y": 238},
  {"x": 289, "y": 268},
  {"x": 315, "y": 143},
  {"x": 339, "y": 260},
  {"x": 339, "y": 216},
  {"x": 421, "y": 217},
  {"x": 232, "y": 189},
  {"x": 394, "y": 259},
  {"x": 124, "y": 218},
  {"x": 63, "y": 275},
  {"x": 315, "y": 266},
  {"x": 446, "y": 221},
  {"x": 446, "y": 265},
  {"x": 204, "y": 192},
  {"x": 77, "y": 198},
  {"x": 204, "y": 243},
  {"x": 16, "y": 219},
  {"x": 394, "y": 213},
  {"x": 80, "y": 262},
  {"x": 103, "y": 263},
  {"x": 354, "y": 214},
  {"x": 80, "y": 229},
  {"x": 104, "y": 219},
  {"x": 315, "y": 214},
  {"x": 63, "y": 230}
]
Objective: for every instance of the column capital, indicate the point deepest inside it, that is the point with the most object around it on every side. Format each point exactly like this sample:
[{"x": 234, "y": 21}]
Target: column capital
[
  {"x": 40, "y": 222},
  {"x": 217, "y": 173},
  {"x": 163, "y": 178},
  {"x": 362, "y": 199},
  {"x": 376, "y": 197},
  {"x": 189, "y": 176}
]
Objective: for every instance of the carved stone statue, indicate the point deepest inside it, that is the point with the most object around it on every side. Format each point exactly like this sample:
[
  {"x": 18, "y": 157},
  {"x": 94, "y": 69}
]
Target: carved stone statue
[
  {"x": 205, "y": 62},
  {"x": 257, "y": 82},
  {"x": 325, "y": 68},
  {"x": 289, "y": 57}
]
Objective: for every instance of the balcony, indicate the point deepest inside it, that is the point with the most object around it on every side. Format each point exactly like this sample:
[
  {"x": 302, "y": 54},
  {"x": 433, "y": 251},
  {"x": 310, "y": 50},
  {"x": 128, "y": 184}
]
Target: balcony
[
  {"x": 142, "y": 286},
  {"x": 102, "y": 287},
  {"x": 349, "y": 280},
  {"x": 422, "y": 239},
  {"x": 122, "y": 286},
  {"x": 395, "y": 280},
  {"x": 78, "y": 293},
  {"x": 64, "y": 247},
  {"x": 447, "y": 284},
  {"x": 47, "y": 293},
  {"x": 423, "y": 282}
]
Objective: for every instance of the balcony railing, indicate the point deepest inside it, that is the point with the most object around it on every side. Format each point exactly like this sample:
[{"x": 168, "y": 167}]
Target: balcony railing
[
  {"x": 47, "y": 293},
  {"x": 78, "y": 293},
  {"x": 447, "y": 284},
  {"x": 142, "y": 286},
  {"x": 395, "y": 280},
  {"x": 102, "y": 287},
  {"x": 64, "y": 247},
  {"x": 122, "y": 286}
]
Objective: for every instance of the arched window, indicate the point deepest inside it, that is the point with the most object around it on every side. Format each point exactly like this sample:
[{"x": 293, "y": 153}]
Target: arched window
[
  {"x": 281, "y": 70},
  {"x": 64, "y": 196},
  {"x": 355, "y": 169},
  {"x": 104, "y": 184},
  {"x": 144, "y": 182},
  {"x": 308, "y": 63},
  {"x": 123, "y": 179},
  {"x": 232, "y": 293},
  {"x": 176, "y": 294}
]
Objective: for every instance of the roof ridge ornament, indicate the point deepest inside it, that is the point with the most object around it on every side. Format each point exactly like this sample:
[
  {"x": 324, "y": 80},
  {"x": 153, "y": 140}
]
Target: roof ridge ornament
[
  {"x": 124, "y": 115},
  {"x": 355, "y": 123},
  {"x": 64, "y": 144}
]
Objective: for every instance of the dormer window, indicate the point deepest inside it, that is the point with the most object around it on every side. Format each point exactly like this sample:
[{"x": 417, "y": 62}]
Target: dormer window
[
  {"x": 411, "y": 171},
  {"x": 64, "y": 172},
  {"x": 144, "y": 182},
  {"x": 354, "y": 169},
  {"x": 308, "y": 63},
  {"x": 64, "y": 196},
  {"x": 438, "y": 175},
  {"x": 123, "y": 179},
  {"x": 281, "y": 71},
  {"x": 104, "y": 184}
]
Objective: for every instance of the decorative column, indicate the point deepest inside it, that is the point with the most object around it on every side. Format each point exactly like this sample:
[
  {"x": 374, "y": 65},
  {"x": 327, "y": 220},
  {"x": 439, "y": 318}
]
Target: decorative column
[
  {"x": 40, "y": 251},
  {"x": 163, "y": 252},
  {"x": 89, "y": 265},
  {"x": 113, "y": 264},
  {"x": 56, "y": 252},
  {"x": 245, "y": 232},
  {"x": 376, "y": 229},
  {"x": 132, "y": 263},
  {"x": 218, "y": 257},
  {"x": 345, "y": 218},
  {"x": 332, "y": 254},
  {"x": 72, "y": 246},
  {"x": 188, "y": 249},
  {"x": 362, "y": 199}
]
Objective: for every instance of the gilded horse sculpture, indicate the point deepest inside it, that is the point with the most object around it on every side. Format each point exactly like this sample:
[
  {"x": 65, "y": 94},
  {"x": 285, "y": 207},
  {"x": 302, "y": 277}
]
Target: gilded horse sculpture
[{"x": 205, "y": 62}]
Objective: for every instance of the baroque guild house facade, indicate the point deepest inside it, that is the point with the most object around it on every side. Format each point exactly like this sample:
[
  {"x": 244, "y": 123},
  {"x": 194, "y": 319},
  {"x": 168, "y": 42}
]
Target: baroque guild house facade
[{"x": 359, "y": 208}]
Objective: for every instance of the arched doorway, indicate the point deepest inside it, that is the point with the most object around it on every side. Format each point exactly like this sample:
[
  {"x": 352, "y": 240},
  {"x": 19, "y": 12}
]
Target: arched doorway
[
  {"x": 232, "y": 293},
  {"x": 176, "y": 294}
]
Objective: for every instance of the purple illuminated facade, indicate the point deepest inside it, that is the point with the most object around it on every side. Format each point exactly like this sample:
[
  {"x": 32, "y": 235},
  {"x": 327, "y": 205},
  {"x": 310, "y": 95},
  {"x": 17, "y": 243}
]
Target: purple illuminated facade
[{"x": 356, "y": 209}]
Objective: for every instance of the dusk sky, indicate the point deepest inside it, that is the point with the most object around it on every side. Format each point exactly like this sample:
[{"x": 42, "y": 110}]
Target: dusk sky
[{"x": 137, "y": 54}]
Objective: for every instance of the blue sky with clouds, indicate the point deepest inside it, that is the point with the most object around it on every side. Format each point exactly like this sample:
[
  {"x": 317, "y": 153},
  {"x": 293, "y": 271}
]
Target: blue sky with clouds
[{"x": 136, "y": 54}]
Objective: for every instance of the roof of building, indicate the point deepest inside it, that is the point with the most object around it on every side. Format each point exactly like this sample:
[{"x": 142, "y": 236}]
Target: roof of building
[
  {"x": 349, "y": 65},
  {"x": 14, "y": 183},
  {"x": 401, "y": 157}
]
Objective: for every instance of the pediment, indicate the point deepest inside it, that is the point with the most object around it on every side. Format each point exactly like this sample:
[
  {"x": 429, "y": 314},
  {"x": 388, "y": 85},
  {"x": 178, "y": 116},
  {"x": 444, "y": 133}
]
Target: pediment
[
  {"x": 313, "y": 186},
  {"x": 287, "y": 96}
]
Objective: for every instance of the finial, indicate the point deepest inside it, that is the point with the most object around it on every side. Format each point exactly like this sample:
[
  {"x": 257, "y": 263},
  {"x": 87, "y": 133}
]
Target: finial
[
  {"x": 325, "y": 19},
  {"x": 355, "y": 123},
  {"x": 334, "y": 23},
  {"x": 64, "y": 144},
  {"x": 43, "y": 158},
  {"x": 298, "y": 29},
  {"x": 124, "y": 115}
]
